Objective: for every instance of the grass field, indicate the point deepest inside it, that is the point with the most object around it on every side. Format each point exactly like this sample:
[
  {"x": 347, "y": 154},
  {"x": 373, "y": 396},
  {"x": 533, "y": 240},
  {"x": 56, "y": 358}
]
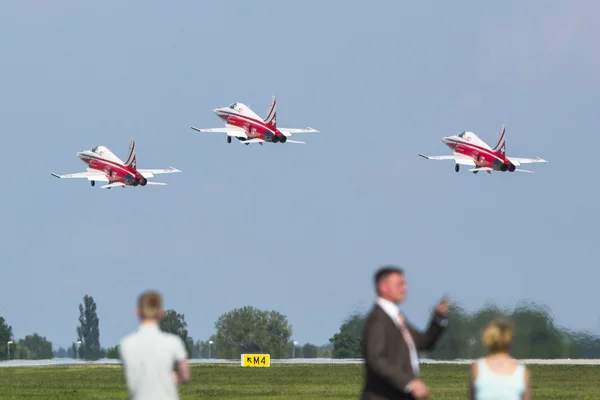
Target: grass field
[{"x": 278, "y": 382}]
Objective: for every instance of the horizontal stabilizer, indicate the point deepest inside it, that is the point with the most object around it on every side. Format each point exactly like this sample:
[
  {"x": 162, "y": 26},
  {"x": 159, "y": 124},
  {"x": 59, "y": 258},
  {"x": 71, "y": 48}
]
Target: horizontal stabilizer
[
  {"x": 289, "y": 131},
  {"x": 149, "y": 173},
  {"x": 481, "y": 169},
  {"x": 519, "y": 160},
  {"x": 294, "y": 141},
  {"x": 523, "y": 170},
  {"x": 112, "y": 185},
  {"x": 254, "y": 140}
]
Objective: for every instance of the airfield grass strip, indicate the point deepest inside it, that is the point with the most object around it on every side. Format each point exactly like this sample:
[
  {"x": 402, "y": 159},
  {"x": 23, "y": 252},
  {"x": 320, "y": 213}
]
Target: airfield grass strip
[{"x": 280, "y": 381}]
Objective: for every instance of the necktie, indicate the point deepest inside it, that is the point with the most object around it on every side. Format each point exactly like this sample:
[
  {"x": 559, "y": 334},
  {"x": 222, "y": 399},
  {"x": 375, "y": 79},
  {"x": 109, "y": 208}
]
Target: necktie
[{"x": 410, "y": 342}]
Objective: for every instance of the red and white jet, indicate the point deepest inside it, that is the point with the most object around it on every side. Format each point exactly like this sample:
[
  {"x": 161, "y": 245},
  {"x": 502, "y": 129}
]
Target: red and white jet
[
  {"x": 470, "y": 150},
  {"x": 104, "y": 166},
  {"x": 245, "y": 125}
]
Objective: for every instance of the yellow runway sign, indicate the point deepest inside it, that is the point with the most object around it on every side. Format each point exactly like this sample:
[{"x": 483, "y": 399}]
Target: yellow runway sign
[{"x": 256, "y": 360}]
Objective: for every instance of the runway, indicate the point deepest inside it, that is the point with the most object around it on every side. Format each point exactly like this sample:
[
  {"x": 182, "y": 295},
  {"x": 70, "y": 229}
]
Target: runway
[{"x": 73, "y": 362}]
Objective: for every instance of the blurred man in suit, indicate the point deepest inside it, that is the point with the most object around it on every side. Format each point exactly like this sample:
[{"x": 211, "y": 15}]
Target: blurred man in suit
[{"x": 390, "y": 343}]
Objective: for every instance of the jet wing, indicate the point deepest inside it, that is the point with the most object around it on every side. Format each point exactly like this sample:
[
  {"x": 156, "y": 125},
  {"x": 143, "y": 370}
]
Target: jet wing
[
  {"x": 290, "y": 131},
  {"x": 519, "y": 161},
  {"x": 229, "y": 130},
  {"x": 459, "y": 159},
  {"x": 90, "y": 175},
  {"x": 149, "y": 173}
]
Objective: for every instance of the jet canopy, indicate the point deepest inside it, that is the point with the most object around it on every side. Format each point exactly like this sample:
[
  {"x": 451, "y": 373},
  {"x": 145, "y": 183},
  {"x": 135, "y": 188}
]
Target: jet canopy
[
  {"x": 99, "y": 150},
  {"x": 462, "y": 134},
  {"x": 236, "y": 106}
]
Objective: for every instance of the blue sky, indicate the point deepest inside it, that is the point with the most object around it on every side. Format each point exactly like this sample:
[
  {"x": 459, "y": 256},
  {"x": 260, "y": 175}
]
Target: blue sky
[{"x": 296, "y": 228}]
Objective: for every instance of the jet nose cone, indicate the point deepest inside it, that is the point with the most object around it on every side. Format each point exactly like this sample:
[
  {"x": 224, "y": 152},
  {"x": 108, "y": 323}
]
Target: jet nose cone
[{"x": 216, "y": 110}]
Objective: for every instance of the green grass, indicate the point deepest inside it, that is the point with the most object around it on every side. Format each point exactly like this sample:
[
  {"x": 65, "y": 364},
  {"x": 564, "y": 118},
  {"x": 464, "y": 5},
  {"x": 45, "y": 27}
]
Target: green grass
[{"x": 280, "y": 381}]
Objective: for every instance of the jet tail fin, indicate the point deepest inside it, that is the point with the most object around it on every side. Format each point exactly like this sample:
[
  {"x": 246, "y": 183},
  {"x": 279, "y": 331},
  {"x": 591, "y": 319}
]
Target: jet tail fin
[
  {"x": 500, "y": 147},
  {"x": 271, "y": 118},
  {"x": 131, "y": 162}
]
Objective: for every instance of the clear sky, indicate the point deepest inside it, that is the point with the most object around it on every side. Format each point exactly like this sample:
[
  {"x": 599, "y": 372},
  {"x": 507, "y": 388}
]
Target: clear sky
[{"x": 296, "y": 228}]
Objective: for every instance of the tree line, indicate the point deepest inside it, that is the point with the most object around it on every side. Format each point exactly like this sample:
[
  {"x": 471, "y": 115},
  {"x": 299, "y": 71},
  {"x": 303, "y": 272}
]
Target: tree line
[
  {"x": 241, "y": 330},
  {"x": 536, "y": 335},
  {"x": 248, "y": 330}
]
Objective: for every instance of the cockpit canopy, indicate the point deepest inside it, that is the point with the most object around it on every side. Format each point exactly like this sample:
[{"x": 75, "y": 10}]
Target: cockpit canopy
[
  {"x": 237, "y": 106},
  {"x": 99, "y": 149},
  {"x": 462, "y": 134}
]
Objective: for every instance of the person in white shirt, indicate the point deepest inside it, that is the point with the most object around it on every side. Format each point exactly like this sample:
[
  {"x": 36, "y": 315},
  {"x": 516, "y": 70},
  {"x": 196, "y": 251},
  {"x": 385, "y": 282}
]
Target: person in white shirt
[
  {"x": 498, "y": 375},
  {"x": 154, "y": 362}
]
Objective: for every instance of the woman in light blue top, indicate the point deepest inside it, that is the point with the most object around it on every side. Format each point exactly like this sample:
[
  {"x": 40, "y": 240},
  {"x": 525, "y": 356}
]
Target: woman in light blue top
[{"x": 499, "y": 376}]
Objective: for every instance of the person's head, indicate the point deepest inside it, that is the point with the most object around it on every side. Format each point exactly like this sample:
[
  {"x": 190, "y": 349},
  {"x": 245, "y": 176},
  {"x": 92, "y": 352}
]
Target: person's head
[
  {"x": 390, "y": 284},
  {"x": 497, "y": 336},
  {"x": 150, "y": 306}
]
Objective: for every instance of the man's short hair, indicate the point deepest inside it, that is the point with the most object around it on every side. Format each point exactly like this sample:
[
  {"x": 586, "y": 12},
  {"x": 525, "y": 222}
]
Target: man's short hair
[
  {"x": 150, "y": 304},
  {"x": 385, "y": 271}
]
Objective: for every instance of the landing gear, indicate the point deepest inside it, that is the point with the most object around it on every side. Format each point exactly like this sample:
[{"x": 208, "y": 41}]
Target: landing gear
[
  {"x": 457, "y": 167},
  {"x": 475, "y": 172},
  {"x": 92, "y": 183},
  {"x": 228, "y": 139}
]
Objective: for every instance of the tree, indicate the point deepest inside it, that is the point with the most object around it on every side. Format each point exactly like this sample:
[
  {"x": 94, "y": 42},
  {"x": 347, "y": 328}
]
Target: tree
[
  {"x": 535, "y": 334},
  {"x": 113, "y": 353},
  {"x": 5, "y": 336},
  {"x": 174, "y": 323},
  {"x": 309, "y": 351},
  {"x": 248, "y": 329},
  {"x": 19, "y": 351},
  {"x": 60, "y": 353},
  {"x": 456, "y": 342},
  {"x": 38, "y": 347},
  {"x": 325, "y": 352},
  {"x": 88, "y": 330},
  {"x": 347, "y": 342}
]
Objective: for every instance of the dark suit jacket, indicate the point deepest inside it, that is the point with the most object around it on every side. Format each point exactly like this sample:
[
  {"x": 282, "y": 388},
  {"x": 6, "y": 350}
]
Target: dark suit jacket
[{"x": 387, "y": 358}]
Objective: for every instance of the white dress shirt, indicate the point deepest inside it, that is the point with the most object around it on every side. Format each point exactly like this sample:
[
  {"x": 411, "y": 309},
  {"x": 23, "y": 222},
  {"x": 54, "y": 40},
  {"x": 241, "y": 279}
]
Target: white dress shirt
[{"x": 392, "y": 310}]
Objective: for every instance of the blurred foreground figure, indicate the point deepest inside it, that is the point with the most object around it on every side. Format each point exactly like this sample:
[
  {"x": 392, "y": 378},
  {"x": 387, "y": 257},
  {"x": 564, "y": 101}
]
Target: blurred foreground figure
[
  {"x": 499, "y": 376},
  {"x": 390, "y": 342},
  {"x": 154, "y": 362}
]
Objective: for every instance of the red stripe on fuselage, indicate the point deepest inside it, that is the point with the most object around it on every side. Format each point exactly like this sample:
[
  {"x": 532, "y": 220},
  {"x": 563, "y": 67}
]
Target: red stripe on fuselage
[
  {"x": 103, "y": 165},
  {"x": 483, "y": 157},
  {"x": 230, "y": 118}
]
